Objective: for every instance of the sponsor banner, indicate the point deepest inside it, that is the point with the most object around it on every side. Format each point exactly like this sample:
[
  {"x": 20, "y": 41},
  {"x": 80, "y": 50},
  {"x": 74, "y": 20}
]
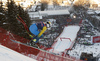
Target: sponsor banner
[
  {"x": 96, "y": 39},
  {"x": 44, "y": 56}
]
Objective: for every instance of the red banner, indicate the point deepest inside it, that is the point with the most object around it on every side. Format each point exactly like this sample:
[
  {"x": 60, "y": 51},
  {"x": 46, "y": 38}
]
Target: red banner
[
  {"x": 44, "y": 56},
  {"x": 96, "y": 39}
]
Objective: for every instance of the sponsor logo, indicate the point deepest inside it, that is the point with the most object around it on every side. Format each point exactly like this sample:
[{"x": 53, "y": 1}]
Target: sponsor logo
[{"x": 96, "y": 39}]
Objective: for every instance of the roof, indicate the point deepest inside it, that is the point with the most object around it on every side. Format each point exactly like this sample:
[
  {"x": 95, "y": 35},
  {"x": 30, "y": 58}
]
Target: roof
[
  {"x": 1, "y": 13},
  {"x": 54, "y": 12},
  {"x": 50, "y": 12}
]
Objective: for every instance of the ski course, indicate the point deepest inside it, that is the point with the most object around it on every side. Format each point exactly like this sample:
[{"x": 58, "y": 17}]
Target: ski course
[
  {"x": 18, "y": 44},
  {"x": 65, "y": 40},
  {"x": 7, "y": 54}
]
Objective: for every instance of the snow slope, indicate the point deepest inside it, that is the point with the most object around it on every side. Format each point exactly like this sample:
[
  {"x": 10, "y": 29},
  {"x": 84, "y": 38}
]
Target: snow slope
[
  {"x": 66, "y": 39},
  {"x": 10, "y": 55}
]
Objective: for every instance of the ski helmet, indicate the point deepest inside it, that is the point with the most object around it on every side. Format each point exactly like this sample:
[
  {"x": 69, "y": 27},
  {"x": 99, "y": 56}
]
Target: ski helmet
[{"x": 48, "y": 24}]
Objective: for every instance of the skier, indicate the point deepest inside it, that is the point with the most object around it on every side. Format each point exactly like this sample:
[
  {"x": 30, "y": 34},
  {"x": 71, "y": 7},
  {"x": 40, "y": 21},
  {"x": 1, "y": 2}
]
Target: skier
[{"x": 34, "y": 29}]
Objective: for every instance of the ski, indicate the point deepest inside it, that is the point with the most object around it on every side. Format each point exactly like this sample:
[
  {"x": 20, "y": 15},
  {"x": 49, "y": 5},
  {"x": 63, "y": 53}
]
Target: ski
[{"x": 28, "y": 44}]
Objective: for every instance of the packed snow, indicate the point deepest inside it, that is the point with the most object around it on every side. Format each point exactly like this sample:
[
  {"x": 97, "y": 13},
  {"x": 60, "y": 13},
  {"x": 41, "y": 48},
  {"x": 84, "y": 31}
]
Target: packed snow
[
  {"x": 7, "y": 54},
  {"x": 67, "y": 37}
]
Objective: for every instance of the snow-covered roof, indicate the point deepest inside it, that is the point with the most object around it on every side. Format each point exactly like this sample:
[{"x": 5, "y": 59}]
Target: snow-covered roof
[
  {"x": 98, "y": 17},
  {"x": 97, "y": 11},
  {"x": 90, "y": 12},
  {"x": 54, "y": 12},
  {"x": 1, "y": 13},
  {"x": 50, "y": 12},
  {"x": 47, "y": 13},
  {"x": 33, "y": 13}
]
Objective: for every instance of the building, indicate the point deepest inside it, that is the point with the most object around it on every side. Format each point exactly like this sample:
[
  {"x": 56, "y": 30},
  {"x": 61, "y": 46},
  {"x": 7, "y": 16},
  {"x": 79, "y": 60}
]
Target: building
[
  {"x": 41, "y": 14},
  {"x": 27, "y": 3},
  {"x": 24, "y": 3}
]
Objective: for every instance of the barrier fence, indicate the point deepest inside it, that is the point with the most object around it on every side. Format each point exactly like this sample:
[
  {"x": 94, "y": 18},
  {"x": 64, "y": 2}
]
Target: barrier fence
[
  {"x": 41, "y": 55},
  {"x": 44, "y": 56}
]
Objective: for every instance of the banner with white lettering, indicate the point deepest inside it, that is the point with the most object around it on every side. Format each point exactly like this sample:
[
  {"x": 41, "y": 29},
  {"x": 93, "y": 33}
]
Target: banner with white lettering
[
  {"x": 96, "y": 39},
  {"x": 44, "y": 56}
]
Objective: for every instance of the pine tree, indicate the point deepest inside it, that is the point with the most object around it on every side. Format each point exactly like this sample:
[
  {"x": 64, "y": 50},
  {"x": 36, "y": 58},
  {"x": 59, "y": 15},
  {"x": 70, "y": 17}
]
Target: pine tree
[
  {"x": 1, "y": 8},
  {"x": 24, "y": 15},
  {"x": 12, "y": 21},
  {"x": 2, "y": 16},
  {"x": 16, "y": 26}
]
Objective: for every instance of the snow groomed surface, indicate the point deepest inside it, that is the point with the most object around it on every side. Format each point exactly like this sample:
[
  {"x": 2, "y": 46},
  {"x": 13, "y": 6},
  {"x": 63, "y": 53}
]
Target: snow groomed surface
[
  {"x": 7, "y": 54},
  {"x": 66, "y": 39},
  {"x": 6, "y": 40}
]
